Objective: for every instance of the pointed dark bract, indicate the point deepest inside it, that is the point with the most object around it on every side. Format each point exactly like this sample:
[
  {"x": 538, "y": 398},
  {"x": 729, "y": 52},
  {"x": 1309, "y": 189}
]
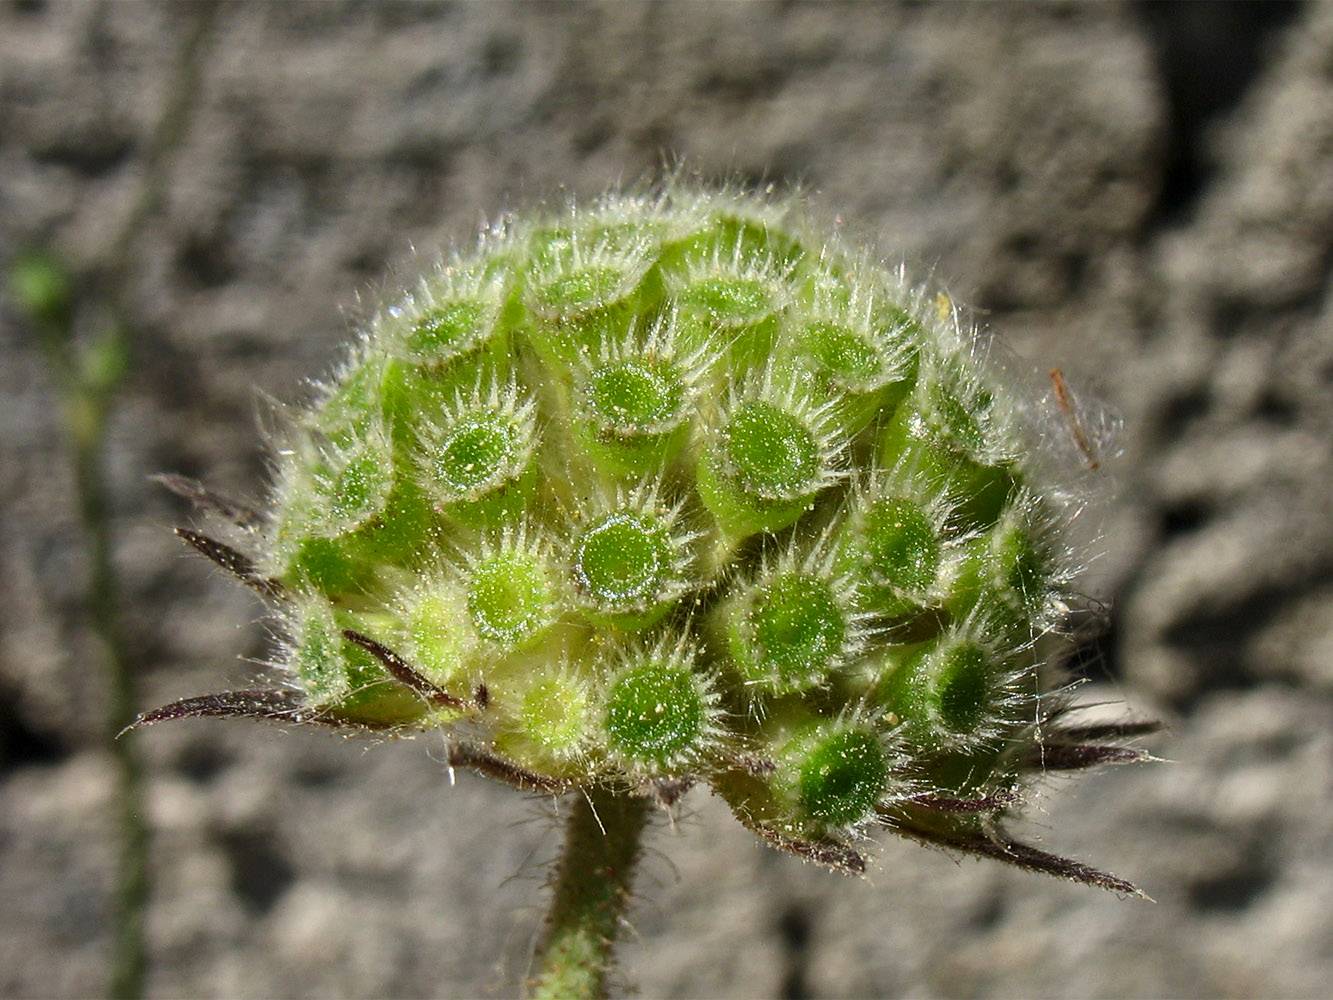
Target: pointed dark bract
[
  {"x": 238, "y": 564},
  {"x": 255, "y": 703},
  {"x": 1000, "y": 848},
  {"x": 1103, "y": 731},
  {"x": 402, "y": 672},
  {"x": 201, "y": 496},
  {"x": 949, "y": 804},
  {"x": 473, "y": 758},
  {"x": 1076, "y": 756}
]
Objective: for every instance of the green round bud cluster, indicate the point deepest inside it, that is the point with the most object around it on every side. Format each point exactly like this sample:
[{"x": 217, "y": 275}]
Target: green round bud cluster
[{"x": 674, "y": 489}]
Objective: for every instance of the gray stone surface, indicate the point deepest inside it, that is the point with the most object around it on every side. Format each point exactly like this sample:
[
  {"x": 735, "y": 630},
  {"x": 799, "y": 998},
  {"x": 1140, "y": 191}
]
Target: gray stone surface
[{"x": 1140, "y": 196}]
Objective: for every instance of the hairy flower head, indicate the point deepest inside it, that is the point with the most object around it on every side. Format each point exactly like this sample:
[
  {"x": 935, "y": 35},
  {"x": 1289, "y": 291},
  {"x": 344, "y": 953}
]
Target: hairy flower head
[{"x": 669, "y": 490}]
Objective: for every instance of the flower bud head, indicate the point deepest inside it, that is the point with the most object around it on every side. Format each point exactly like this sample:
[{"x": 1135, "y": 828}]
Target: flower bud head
[{"x": 666, "y": 489}]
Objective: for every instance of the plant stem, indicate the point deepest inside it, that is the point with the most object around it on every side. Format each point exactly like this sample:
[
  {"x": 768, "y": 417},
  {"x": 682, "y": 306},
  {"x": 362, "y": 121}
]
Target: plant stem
[
  {"x": 592, "y": 890},
  {"x": 88, "y": 424}
]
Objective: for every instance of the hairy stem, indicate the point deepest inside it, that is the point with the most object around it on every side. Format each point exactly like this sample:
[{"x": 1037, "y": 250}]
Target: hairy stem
[{"x": 592, "y": 890}]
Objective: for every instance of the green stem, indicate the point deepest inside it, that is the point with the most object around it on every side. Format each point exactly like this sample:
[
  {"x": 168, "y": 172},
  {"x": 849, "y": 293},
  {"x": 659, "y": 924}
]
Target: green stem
[
  {"x": 592, "y": 891},
  {"x": 88, "y": 420}
]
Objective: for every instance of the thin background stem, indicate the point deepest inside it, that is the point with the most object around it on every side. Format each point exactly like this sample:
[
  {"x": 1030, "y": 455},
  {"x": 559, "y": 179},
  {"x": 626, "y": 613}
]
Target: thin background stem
[{"x": 88, "y": 376}]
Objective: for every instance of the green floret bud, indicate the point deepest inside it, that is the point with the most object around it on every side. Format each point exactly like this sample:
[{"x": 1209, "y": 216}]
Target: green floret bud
[
  {"x": 317, "y": 653},
  {"x": 439, "y": 641},
  {"x": 579, "y": 292},
  {"x": 860, "y": 352},
  {"x": 634, "y": 399},
  {"x": 633, "y": 415},
  {"x": 838, "y": 775},
  {"x": 511, "y": 598},
  {"x": 903, "y": 546},
  {"x": 555, "y": 720},
  {"x": 961, "y": 687},
  {"x": 452, "y": 313},
  {"x": 478, "y": 466},
  {"x": 631, "y": 397},
  {"x": 945, "y": 693},
  {"x": 555, "y": 715},
  {"x": 774, "y": 455},
  {"x": 851, "y": 334},
  {"x": 353, "y": 405},
  {"x": 791, "y": 632},
  {"x": 729, "y": 287},
  {"x": 959, "y": 424},
  {"x": 769, "y": 463},
  {"x": 1009, "y": 572},
  {"x": 729, "y": 297},
  {"x": 728, "y": 301},
  {"x": 626, "y": 566},
  {"x": 896, "y": 548},
  {"x": 447, "y": 330},
  {"x": 354, "y": 488},
  {"x": 846, "y": 354},
  {"x": 658, "y": 712},
  {"x": 340, "y": 679},
  {"x": 360, "y": 490},
  {"x": 1022, "y": 567},
  {"x": 738, "y": 229},
  {"x": 478, "y": 454},
  {"x": 575, "y": 273}
]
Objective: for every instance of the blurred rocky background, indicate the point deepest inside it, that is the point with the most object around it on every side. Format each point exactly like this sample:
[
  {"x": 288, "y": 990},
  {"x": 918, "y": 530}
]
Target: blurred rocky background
[{"x": 1141, "y": 195}]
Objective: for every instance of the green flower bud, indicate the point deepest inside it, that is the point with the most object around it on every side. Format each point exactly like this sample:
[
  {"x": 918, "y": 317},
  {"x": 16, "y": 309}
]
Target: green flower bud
[
  {"x": 1011, "y": 572},
  {"x": 729, "y": 286},
  {"x": 317, "y": 657},
  {"x": 960, "y": 436},
  {"x": 863, "y": 347},
  {"x": 895, "y": 547},
  {"x": 659, "y": 712},
  {"x": 355, "y": 489},
  {"x": 837, "y": 773},
  {"x": 511, "y": 594},
  {"x": 478, "y": 464},
  {"x": 447, "y": 330},
  {"x": 951, "y": 691},
  {"x": 791, "y": 629},
  {"x": 555, "y": 715},
  {"x": 438, "y": 640},
  {"x": 633, "y": 404},
  {"x": 450, "y": 316},
  {"x": 352, "y": 405},
  {"x": 630, "y": 564},
  {"x": 553, "y": 724},
  {"x": 791, "y": 634},
  {"x": 630, "y": 397},
  {"x": 902, "y": 546},
  {"x": 772, "y": 457}
]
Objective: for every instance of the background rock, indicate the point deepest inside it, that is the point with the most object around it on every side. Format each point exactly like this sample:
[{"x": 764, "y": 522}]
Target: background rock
[{"x": 1142, "y": 196}]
